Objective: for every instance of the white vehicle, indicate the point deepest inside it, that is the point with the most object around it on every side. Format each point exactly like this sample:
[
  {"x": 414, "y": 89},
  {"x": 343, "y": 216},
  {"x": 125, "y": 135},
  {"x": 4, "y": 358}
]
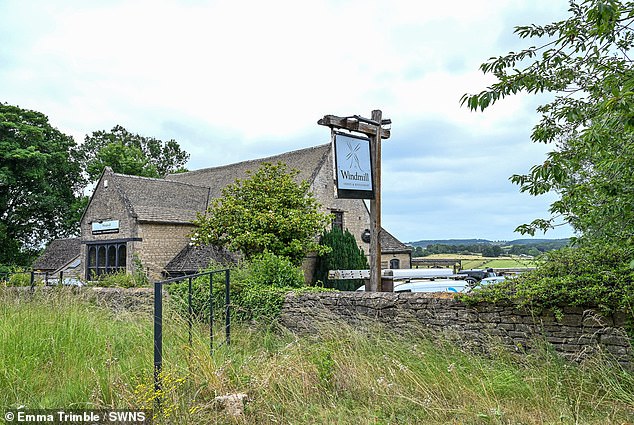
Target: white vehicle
[
  {"x": 68, "y": 281},
  {"x": 419, "y": 273},
  {"x": 442, "y": 285},
  {"x": 490, "y": 281},
  {"x": 438, "y": 285}
]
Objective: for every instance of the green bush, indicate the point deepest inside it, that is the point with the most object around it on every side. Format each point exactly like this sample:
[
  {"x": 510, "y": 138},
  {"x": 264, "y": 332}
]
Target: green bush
[
  {"x": 14, "y": 276},
  {"x": 19, "y": 278},
  {"x": 121, "y": 280},
  {"x": 268, "y": 269},
  {"x": 344, "y": 254},
  {"x": 600, "y": 276},
  {"x": 257, "y": 289}
]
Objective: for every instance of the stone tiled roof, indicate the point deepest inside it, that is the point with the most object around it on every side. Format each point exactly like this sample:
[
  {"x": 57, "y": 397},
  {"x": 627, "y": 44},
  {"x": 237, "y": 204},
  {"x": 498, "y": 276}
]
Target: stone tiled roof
[
  {"x": 158, "y": 200},
  {"x": 192, "y": 259},
  {"x": 57, "y": 254},
  {"x": 307, "y": 161},
  {"x": 390, "y": 244}
]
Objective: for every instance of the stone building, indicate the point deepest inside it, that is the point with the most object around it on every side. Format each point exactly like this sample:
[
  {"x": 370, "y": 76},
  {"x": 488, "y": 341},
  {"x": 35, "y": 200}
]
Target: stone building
[
  {"x": 135, "y": 221},
  {"x": 61, "y": 256},
  {"x": 315, "y": 165}
]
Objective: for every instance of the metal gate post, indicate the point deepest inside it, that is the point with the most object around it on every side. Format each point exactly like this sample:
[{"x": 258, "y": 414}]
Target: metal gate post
[
  {"x": 190, "y": 310},
  {"x": 227, "y": 309},
  {"x": 211, "y": 313},
  {"x": 158, "y": 338},
  {"x": 158, "y": 320}
]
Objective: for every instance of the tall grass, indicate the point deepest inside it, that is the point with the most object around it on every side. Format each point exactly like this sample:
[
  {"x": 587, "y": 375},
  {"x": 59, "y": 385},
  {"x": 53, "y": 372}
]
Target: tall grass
[{"x": 57, "y": 351}]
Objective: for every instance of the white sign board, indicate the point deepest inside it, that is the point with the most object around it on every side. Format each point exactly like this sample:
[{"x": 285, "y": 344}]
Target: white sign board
[
  {"x": 100, "y": 227},
  {"x": 348, "y": 274},
  {"x": 353, "y": 167}
]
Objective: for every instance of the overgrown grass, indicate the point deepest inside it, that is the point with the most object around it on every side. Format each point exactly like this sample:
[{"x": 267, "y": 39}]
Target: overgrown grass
[{"x": 57, "y": 351}]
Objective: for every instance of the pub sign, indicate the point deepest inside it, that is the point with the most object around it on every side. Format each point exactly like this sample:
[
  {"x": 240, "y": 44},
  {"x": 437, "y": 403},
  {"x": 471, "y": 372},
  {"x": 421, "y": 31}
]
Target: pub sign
[{"x": 353, "y": 167}]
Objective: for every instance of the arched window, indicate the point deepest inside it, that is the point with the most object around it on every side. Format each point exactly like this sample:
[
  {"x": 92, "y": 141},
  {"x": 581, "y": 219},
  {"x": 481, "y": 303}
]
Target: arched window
[
  {"x": 92, "y": 263},
  {"x": 111, "y": 265},
  {"x": 101, "y": 260},
  {"x": 395, "y": 263},
  {"x": 105, "y": 258},
  {"x": 122, "y": 257}
]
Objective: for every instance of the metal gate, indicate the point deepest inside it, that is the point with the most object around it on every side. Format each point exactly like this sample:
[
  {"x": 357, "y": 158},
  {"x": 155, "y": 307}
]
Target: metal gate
[{"x": 158, "y": 317}]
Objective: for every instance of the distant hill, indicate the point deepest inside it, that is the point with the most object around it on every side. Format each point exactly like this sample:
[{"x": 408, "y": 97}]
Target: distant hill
[
  {"x": 558, "y": 243},
  {"x": 424, "y": 243},
  {"x": 561, "y": 242}
]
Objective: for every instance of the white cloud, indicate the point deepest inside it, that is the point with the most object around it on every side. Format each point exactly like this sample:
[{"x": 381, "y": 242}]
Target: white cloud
[{"x": 234, "y": 79}]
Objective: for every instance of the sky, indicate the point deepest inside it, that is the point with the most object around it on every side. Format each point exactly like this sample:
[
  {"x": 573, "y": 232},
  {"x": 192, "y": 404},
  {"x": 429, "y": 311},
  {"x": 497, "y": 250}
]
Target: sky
[{"x": 238, "y": 80}]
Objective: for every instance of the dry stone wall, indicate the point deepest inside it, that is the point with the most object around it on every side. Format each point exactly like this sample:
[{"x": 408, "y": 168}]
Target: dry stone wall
[
  {"x": 578, "y": 334},
  {"x": 116, "y": 299}
]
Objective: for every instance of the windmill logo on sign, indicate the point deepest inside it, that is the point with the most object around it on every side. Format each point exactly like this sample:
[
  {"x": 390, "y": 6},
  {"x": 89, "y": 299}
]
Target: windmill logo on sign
[{"x": 353, "y": 157}]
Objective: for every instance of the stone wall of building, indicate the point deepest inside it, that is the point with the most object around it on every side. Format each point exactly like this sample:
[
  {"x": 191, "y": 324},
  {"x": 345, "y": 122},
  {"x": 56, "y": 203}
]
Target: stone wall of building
[
  {"x": 159, "y": 244},
  {"x": 404, "y": 260},
  {"x": 578, "y": 334},
  {"x": 106, "y": 204}
]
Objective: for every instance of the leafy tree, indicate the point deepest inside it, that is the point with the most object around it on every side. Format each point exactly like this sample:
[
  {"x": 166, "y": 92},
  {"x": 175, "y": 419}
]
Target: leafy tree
[
  {"x": 40, "y": 181},
  {"x": 130, "y": 153},
  {"x": 491, "y": 250},
  {"x": 122, "y": 159},
  {"x": 266, "y": 212},
  {"x": 344, "y": 254},
  {"x": 418, "y": 251},
  {"x": 585, "y": 64}
]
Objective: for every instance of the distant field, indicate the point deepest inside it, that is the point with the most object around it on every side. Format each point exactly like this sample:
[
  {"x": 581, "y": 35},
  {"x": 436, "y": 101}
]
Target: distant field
[{"x": 478, "y": 262}]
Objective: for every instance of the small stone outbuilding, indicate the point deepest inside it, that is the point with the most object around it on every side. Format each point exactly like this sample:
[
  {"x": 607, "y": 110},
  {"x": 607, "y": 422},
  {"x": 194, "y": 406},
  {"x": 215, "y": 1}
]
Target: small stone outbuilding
[{"x": 61, "y": 256}]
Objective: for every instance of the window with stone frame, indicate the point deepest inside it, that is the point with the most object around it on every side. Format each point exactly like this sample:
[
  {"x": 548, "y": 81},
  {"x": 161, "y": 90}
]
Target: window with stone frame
[{"x": 337, "y": 221}]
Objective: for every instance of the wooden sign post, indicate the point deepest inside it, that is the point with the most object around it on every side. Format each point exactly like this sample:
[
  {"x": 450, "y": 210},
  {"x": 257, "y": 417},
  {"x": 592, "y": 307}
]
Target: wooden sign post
[{"x": 372, "y": 128}]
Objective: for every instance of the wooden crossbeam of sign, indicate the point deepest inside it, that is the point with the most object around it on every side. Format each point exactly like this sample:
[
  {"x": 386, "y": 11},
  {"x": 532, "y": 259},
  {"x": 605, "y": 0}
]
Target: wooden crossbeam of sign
[{"x": 353, "y": 124}]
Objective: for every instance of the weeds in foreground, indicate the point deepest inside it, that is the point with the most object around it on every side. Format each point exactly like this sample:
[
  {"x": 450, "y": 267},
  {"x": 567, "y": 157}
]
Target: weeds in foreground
[{"x": 56, "y": 351}]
